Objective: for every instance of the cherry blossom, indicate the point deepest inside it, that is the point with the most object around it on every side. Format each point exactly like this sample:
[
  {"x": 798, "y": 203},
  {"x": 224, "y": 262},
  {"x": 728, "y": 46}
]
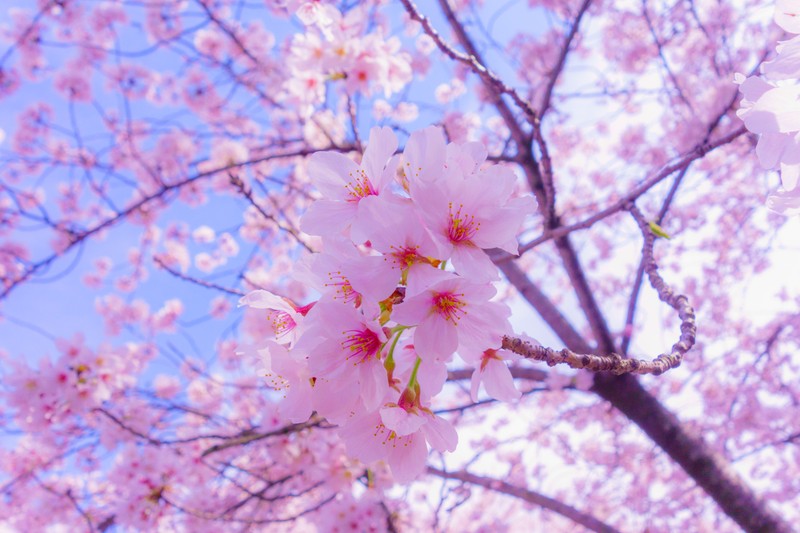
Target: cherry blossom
[
  {"x": 348, "y": 187},
  {"x": 391, "y": 191},
  {"x": 495, "y": 376},
  {"x": 453, "y": 312}
]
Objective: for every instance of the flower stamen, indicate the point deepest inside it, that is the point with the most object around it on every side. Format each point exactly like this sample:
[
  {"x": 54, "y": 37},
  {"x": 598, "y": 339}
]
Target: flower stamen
[{"x": 450, "y": 306}]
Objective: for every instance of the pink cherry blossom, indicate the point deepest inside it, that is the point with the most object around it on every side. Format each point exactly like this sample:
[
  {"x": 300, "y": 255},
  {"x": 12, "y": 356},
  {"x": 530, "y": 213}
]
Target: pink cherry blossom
[
  {"x": 289, "y": 377},
  {"x": 453, "y": 312},
  {"x": 170, "y": 154},
  {"x": 400, "y": 235},
  {"x": 346, "y": 185},
  {"x": 786, "y": 15},
  {"x": 369, "y": 440},
  {"x": 345, "y": 274},
  {"x": 283, "y": 316},
  {"x": 465, "y": 218},
  {"x": 495, "y": 376},
  {"x": 346, "y": 349}
]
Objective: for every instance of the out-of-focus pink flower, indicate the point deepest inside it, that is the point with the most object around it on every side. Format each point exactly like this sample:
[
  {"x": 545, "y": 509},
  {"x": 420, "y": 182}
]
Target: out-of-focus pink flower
[
  {"x": 283, "y": 316},
  {"x": 787, "y": 15},
  {"x": 495, "y": 376}
]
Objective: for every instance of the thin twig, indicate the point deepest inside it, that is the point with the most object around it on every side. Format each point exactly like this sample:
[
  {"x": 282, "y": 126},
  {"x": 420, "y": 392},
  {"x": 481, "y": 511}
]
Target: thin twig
[
  {"x": 237, "y": 182},
  {"x": 247, "y": 439},
  {"x": 196, "y": 281},
  {"x": 698, "y": 152},
  {"x": 562, "y": 58},
  {"x": 627, "y": 334},
  {"x": 142, "y": 204}
]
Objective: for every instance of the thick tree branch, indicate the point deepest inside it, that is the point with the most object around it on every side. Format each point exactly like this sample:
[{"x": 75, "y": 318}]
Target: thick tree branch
[
  {"x": 709, "y": 470},
  {"x": 586, "y": 520}
]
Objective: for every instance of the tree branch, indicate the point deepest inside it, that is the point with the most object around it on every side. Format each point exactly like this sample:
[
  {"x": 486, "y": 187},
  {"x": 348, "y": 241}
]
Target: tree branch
[
  {"x": 252, "y": 437},
  {"x": 197, "y": 281},
  {"x": 614, "y": 362},
  {"x": 562, "y": 58},
  {"x": 586, "y": 520},
  {"x": 698, "y": 152},
  {"x": 709, "y": 470},
  {"x": 140, "y": 204}
]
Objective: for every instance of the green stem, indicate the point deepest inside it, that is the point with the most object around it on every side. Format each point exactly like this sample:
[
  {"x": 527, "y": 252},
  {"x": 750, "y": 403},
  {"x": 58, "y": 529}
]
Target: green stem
[
  {"x": 413, "y": 380},
  {"x": 398, "y": 331}
]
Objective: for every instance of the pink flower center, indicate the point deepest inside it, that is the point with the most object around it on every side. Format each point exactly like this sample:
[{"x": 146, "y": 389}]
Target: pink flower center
[
  {"x": 362, "y": 344},
  {"x": 359, "y": 187},
  {"x": 282, "y": 323},
  {"x": 343, "y": 289},
  {"x": 277, "y": 382},
  {"x": 487, "y": 356},
  {"x": 405, "y": 256},
  {"x": 450, "y": 306},
  {"x": 390, "y": 437},
  {"x": 461, "y": 227}
]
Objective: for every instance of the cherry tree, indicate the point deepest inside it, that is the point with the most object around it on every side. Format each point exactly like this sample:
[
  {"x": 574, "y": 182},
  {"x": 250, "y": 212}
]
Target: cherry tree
[{"x": 399, "y": 266}]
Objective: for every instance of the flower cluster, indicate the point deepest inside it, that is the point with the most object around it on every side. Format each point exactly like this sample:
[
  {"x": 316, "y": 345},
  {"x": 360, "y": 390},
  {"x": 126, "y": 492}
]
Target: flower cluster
[
  {"x": 405, "y": 284},
  {"x": 771, "y": 108},
  {"x": 337, "y": 47}
]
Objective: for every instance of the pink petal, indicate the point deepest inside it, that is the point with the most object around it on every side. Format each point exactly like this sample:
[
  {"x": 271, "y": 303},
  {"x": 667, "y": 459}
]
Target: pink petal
[
  {"x": 789, "y": 176},
  {"x": 413, "y": 310},
  {"x": 499, "y": 383},
  {"x": 326, "y": 217},
  {"x": 770, "y": 147},
  {"x": 440, "y": 434},
  {"x": 787, "y": 64},
  {"x": 420, "y": 277},
  {"x": 375, "y": 278},
  {"x": 374, "y": 383},
  {"x": 432, "y": 377},
  {"x": 475, "y": 384},
  {"x": 381, "y": 146},
  {"x": 364, "y": 437},
  {"x": 330, "y": 171},
  {"x": 435, "y": 339},
  {"x": 787, "y": 15},
  {"x": 408, "y": 457},
  {"x": 334, "y": 401},
  {"x": 473, "y": 263},
  {"x": 753, "y": 87},
  {"x": 261, "y": 299},
  {"x": 296, "y": 407},
  {"x": 500, "y": 230},
  {"x": 785, "y": 203},
  {"x": 401, "y": 421},
  {"x": 778, "y": 110},
  {"x": 424, "y": 155}
]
